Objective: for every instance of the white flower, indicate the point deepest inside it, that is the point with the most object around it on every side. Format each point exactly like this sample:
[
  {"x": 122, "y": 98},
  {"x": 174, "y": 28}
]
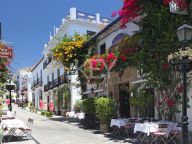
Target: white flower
[{"x": 181, "y": 53}]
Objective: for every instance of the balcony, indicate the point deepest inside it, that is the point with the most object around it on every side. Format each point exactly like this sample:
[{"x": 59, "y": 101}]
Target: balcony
[
  {"x": 62, "y": 79},
  {"x": 37, "y": 83},
  {"x": 47, "y": 61},
  {"x": 46, "y": 88},
  {"x": 56, "y": 82},
  {"x": 50, "y": 85}
]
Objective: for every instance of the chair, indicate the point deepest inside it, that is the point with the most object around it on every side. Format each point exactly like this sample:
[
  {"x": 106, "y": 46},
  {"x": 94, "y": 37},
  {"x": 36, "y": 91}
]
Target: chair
[
  {"x": 128, "y": 129},
  {"x": 164, "y": 135},
  {"x": 4, "y": 132},
  {"x": 26, "y": 132}
]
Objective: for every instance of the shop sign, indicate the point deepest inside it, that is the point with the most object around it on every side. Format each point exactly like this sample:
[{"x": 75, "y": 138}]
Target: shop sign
[{"x": 6, "y": 52}]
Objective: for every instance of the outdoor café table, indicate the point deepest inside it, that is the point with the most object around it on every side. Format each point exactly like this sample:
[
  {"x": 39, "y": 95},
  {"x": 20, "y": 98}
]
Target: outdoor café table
[
  {"x": 117, "y": 124},
  {"x": 80, "y": 115},
  {"x": 12, "y": 125},
  {"x": 71, "y": 114},
  {"x": 145, "y": 129}
]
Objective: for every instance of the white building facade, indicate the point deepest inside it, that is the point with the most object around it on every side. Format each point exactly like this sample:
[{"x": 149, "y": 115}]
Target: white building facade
[
  {"x": 54, "y": 75},
  {"x": 37, "y": 85},
  {"x": 23, "y": 85}
]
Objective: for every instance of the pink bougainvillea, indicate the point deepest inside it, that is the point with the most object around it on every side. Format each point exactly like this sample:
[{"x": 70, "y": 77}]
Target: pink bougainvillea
[
  {"x": 98, "y": 63},
  {"x": 134, "y": 8}
]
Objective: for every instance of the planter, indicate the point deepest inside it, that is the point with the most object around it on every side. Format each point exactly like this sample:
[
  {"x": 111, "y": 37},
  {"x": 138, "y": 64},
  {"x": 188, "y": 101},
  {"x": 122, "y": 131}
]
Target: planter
[{"x": 104, "y": 128}]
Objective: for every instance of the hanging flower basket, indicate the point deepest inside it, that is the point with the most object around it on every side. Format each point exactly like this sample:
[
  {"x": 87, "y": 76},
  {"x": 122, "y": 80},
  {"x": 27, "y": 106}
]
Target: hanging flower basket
[{"x": 180, "y": 57}]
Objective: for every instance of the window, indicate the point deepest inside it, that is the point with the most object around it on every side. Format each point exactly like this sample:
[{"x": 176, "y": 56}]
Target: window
[
  {"x": 58, "y": 72},
  {"x": 37, "y": 77},
  {"x": 41, "y": 73},
  {"x": 91, "y": 33},
  {"x": 102, "y": 49},
  {"x": 52, "y": 76},
  {"x": 47, "y": 79}
]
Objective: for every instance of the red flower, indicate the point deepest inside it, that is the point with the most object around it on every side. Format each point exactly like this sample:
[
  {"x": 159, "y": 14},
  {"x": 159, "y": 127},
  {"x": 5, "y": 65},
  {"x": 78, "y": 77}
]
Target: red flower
[
  {"x": 114, "y": 14},
  {"x": 129, "y": 11},
  {"x": 165, "y": 66},
  {"x": 166, "y": 2},
  {"x": 123, "y": 58},
  {"x": 170, "y": 102},
  {"x": 180, "y": 88}
]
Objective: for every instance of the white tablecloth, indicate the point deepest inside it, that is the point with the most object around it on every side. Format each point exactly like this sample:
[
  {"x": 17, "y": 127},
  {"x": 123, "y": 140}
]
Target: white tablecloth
[
  {"x": 146, "y": 127},
  {"x": 12, "y": 123},
  {"x": 80, "y": 115},
  {"x": 71, "y": 114},
  {"x": 150, "y": 127},
  {"x": 119, "y": 122}
]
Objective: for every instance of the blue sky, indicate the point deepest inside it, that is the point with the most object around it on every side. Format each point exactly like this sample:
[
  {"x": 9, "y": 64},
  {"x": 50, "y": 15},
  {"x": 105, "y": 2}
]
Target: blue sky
[{"x": 27, "y": 23}]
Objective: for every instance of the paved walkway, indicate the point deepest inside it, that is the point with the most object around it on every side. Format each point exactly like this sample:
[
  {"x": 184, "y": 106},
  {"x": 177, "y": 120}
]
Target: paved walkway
[{"x": 57, "y": 131}]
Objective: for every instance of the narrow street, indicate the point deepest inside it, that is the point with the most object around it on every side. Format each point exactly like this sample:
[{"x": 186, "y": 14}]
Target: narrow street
[{"x": 47, "y": 131}]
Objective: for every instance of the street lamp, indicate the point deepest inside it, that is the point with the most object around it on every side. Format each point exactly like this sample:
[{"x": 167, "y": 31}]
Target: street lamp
[
  {"x": 22, "y": 94},
  {"x": 10, "y": 87},
  {"x": 184, "y": 34}
]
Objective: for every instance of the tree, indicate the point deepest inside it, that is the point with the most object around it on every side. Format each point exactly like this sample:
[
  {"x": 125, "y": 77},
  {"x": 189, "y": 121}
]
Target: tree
[{"x": 158, "y": 39}]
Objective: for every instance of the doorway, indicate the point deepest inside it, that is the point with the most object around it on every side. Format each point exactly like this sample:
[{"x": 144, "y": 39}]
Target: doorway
[
  {"x": 124, "y": 109},
  {"x": 48, "y": 104}
]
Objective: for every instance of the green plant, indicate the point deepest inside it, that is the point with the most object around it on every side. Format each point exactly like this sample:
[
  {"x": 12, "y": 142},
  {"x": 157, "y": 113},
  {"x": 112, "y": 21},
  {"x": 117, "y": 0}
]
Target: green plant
[
  {"x": 48, "y": 114},
  {"x": 88, "y": 105},
  {"x": 105, "y": 109},
  {"x": 42, "y": 112},
  {"x": 78, "y": 106}
]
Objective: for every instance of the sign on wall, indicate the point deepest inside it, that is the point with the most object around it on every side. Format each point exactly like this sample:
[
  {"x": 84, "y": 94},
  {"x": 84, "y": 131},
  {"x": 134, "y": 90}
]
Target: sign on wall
[
  {"x": 174, "y": 8},
  {"x": 6, "y": 52}
]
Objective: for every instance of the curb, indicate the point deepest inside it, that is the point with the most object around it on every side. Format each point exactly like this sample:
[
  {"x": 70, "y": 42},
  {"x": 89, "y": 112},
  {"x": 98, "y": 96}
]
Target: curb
[{"x": 50, "y": 118}]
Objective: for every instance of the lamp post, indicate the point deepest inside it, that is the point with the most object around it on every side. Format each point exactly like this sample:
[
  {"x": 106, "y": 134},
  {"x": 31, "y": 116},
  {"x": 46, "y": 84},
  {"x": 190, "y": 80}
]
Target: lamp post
[
  {"x": 184, "y": 34},
  {"x": 10, "y": 87}
]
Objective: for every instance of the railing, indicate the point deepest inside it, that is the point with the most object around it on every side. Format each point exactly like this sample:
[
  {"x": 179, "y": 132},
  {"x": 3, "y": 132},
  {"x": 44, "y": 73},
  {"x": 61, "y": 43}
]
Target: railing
[
  {"x": 50, "y": 85},
  {"x": 62, "y": 79},
  {"x": 46, "y": 88},
  {"x": 47, "y": 61},
  {"x": 56, "y": 82},
  {"x": 90, "y": 17},
  {"x": 36, "y": 83}
]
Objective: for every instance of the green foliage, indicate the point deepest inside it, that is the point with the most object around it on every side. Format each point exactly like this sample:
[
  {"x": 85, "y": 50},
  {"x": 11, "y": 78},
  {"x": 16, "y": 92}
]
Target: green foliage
[
  {"x": 43, "y": 113},
  {"x": 105, "y": 109},
  {"x": 78, "y": 106},
  {"x": 159, "y": 39},
  {"x": 64, "y": 95},
  {"x": 48, "y": 114},
  {"x": 88, "y": 105}
]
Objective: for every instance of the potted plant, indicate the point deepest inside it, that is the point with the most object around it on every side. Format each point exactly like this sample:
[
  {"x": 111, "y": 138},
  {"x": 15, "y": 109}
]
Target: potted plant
[
  {"x": 104, "y": 110},
  {"x": 88, "y": 107}
]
